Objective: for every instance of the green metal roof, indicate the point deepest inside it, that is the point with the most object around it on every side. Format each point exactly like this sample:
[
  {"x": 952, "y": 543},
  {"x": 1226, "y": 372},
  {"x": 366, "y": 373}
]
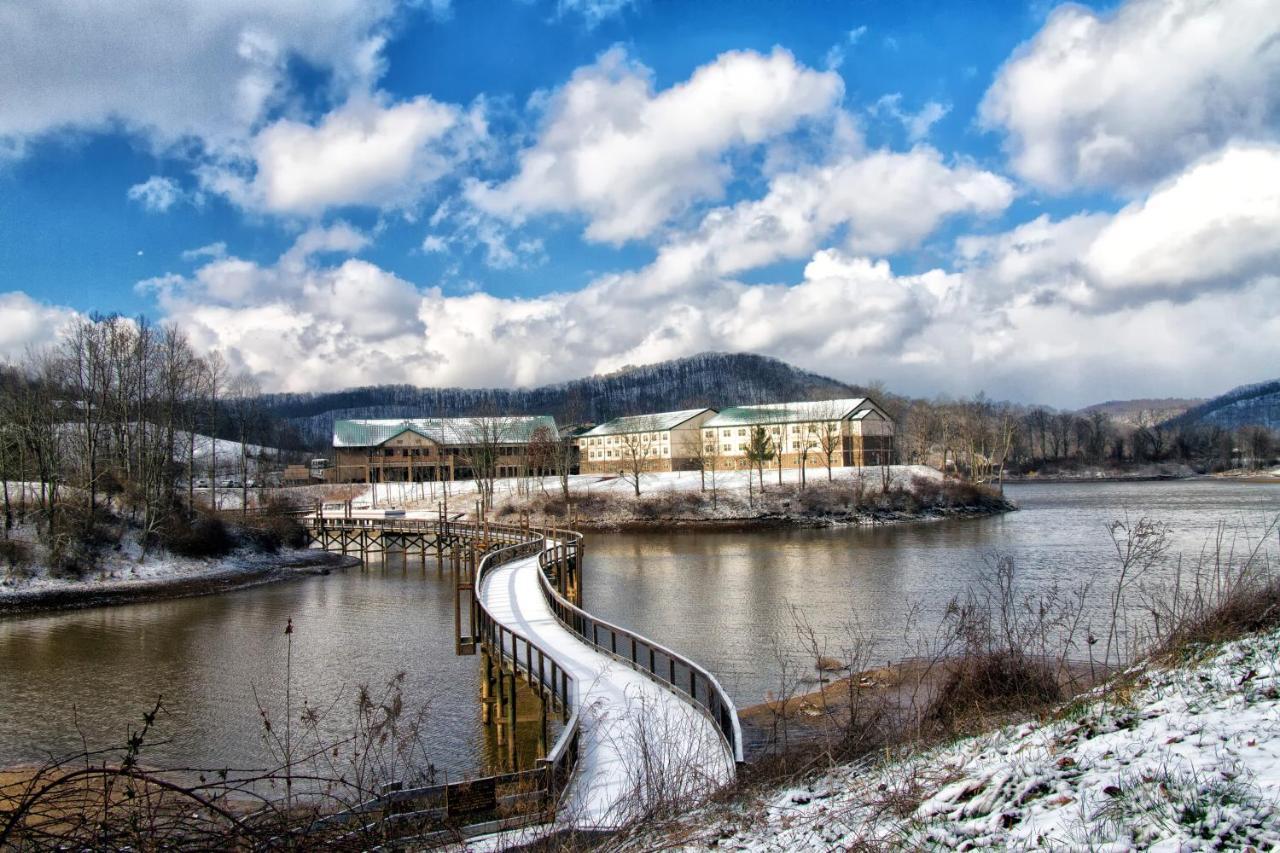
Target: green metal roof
[
  {"x": 659, "y": 422},
  {"x": 785, "y": 413},
  {"x": 446, "y": 431}
]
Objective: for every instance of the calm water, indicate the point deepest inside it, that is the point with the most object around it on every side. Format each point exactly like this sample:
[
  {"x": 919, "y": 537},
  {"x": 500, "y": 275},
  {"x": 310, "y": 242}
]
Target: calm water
[
  {"x": 102, "y": 668},
  {"x": 720, "y": 598},
  {"x": 724, "y": 597}
]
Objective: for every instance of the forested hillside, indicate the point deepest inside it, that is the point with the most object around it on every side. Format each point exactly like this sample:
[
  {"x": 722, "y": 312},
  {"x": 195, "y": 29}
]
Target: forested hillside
[
  {"x": 709, "y": 379},
  {"x": 1248, "y": 405}
]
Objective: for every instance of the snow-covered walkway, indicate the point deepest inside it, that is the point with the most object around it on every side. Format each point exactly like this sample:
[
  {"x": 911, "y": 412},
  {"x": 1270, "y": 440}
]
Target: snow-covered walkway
[{"x": 639, "y": 740}]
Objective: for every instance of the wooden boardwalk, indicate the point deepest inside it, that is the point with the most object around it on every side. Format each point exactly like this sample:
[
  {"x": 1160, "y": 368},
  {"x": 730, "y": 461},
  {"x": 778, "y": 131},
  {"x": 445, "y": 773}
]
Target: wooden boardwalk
[
  {"x": 642, "y": 724},
  {"x": 636, "y": 733}
]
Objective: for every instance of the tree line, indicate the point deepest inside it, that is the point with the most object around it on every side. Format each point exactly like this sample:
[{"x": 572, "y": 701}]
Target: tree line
[
  {"x": 107, "y": 423},
  {"x": 984, "y": 439}
]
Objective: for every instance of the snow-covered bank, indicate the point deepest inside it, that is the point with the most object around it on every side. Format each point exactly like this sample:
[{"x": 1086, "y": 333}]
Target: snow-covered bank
[
  {"x": 1105, "y": 473},
  {"x": 1183, "y": 758},
  {"x": 111, "y": 567},
  {"x": 852, "y": 495},
  {"x": 122, "y": 581}
]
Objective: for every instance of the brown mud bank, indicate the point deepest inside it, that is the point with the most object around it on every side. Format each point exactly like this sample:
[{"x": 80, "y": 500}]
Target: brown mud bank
[
  {"x": 222, "y": 578},
  {"x": 895, "y": 696}
]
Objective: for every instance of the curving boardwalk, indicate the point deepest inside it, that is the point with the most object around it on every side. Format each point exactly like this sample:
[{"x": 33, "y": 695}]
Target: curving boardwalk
[{"x": 640, "y": 741}]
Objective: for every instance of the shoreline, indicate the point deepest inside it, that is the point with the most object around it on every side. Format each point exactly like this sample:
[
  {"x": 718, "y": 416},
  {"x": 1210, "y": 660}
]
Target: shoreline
[
  {"x": 820, "y": 705},
  {"x": 1110, "y": 478},
  {"x": 289, "y": 566},
  {"x": 784, "y": 522}
]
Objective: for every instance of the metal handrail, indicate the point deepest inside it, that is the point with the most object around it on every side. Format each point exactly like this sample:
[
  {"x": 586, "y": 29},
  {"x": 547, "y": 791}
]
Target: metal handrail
[
  {"x": 560, "y": 760},
  {"x": 559, "y": 546},
  {"x": 714, "y": 700}
]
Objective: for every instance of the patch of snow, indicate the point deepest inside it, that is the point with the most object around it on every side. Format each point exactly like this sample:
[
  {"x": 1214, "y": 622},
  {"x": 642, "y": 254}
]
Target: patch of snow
[
  {"x": 1190, "y": 760},
  {"x": 462, "y": 493},
  {"x": 631, "y": 726}
]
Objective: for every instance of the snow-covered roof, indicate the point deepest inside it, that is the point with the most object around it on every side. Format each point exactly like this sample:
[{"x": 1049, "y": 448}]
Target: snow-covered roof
[
  {"x": 449, "y": 431},
  {"x": 785, "y": 413},
  {"x": 658, "y": 422}
]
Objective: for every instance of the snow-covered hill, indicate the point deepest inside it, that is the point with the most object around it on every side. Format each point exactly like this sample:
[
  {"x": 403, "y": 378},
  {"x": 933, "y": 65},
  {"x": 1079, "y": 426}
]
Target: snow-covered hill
[
  {"x": 1187, "y": 759},
  {"x": 708, "y": 379}
]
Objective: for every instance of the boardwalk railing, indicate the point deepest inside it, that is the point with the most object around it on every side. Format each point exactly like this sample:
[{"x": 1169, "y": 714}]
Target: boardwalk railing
[
  {"x": 541, "y": 670},
  {"x": 664, "y": 666},
  {"x": 531, "y": 796},
  {"x": 559, "y": 554}
]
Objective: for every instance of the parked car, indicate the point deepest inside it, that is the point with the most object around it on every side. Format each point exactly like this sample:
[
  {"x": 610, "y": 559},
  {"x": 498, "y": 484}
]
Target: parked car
[{"x": 202, "y": 483}]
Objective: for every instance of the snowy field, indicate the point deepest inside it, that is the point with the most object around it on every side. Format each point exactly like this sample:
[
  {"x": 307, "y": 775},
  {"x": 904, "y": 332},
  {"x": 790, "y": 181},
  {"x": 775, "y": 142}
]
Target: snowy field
[
  {"x": 1187, "y": 760},
  {"x": 426, "y": 495}
]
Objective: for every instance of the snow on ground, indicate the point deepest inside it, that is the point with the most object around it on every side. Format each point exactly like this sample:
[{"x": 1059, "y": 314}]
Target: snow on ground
[
  {"x": 621, "y": 712},
  {"x": 126, "y": 567},
  {"x": 228, "y": 451},
  {"x": 462, "y": 492},
  {"x": 1189, "y": 759}
]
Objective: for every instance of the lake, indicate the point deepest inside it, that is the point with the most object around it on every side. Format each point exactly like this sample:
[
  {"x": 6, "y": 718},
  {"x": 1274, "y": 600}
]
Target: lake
[{"x": 722, "y": 598}]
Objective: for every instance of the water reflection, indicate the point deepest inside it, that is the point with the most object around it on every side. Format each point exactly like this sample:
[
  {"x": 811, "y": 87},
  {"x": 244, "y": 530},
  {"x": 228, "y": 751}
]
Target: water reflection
[
  {"x": 94, "y": 672},
  {"x": 721, "y": 598},
  {"x": 724, "y": 598}
]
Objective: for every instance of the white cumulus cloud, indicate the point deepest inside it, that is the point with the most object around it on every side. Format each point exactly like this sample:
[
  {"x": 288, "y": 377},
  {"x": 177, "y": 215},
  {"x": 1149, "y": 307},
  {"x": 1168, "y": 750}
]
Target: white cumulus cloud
[
  {"x": 1126, "y": 97},
  {"x": 29, "y": 324},
  {"x": 629, "y": 158},
  {"x": 369, "y": 151},
  {"x": 172, "y": 70}
]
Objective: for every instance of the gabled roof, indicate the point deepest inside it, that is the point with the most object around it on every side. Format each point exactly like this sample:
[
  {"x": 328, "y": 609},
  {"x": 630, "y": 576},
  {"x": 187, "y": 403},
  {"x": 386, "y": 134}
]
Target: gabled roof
[
  {"x": 448, "y": 431},
  {"x": 786, "y": 413},
  {"x": 659, "y": 422}
]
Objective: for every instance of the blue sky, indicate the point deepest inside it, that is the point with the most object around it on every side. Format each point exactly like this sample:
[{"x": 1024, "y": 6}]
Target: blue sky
[{"x": 999, "y": 197}]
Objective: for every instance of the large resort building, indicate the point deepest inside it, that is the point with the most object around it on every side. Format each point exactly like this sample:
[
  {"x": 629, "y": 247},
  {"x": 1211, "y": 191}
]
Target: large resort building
[
  {"x": 848, "y": 432},
  {"x": 667, "y": 441},
  {"x": 420, "y": 450}
]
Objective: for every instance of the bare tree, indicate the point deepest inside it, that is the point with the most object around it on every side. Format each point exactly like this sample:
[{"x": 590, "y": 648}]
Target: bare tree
[
  {"x": 829, "y": 436},
  {"x": 640, "y": 449},
  {"x": 243, "y": 396},
  {"x": 702, "y": 454},
  {"x": 487, "y": 435},
  {"x": 85, "y": 373},
  {"x": 542, "y": 452},
  {"x": 805, "y": 443},
  {"x": 214, "y": 378},
  {"x": 760, "y": 450}
]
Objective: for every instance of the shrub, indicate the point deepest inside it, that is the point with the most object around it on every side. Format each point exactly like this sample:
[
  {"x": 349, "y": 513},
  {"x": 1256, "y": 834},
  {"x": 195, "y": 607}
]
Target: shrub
[
  {"x": 1000, "y": 681},
  {"x": 273, "y": 532},
  {"x": 206, "y": 536},
  {"x": 72, "y": 558},
  {"x": 16, "y": 556}
]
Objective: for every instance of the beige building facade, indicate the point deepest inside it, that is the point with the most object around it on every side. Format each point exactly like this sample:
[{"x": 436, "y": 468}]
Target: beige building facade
[
  {"x": 418, "y": 450},
  {"x": 847, "y": 432},
  {"x": 667, "y": 441}
]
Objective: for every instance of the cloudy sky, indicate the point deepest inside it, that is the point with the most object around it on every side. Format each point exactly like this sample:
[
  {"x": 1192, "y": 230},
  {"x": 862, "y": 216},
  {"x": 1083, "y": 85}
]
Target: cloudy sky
[{"x": 1054, "y": 203}]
